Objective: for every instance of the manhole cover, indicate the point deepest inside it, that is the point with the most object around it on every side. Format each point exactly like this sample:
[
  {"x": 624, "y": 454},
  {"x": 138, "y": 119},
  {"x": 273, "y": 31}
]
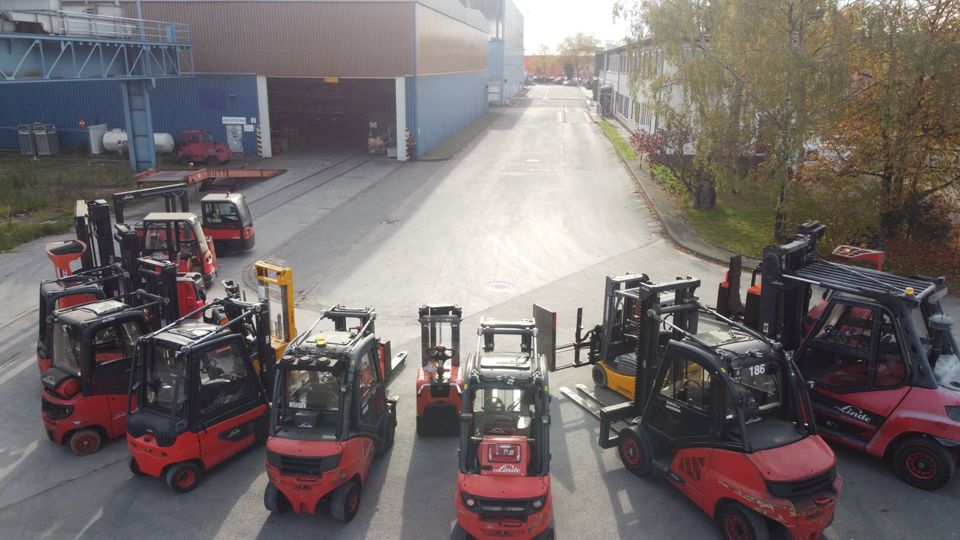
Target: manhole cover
[{"x": 500, "y": 285}]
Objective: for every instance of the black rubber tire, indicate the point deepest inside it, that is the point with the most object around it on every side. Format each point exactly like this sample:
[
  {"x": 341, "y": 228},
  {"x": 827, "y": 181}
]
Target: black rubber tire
[
  {"x": 182, "y": 477},
  {"x": 345, "y": 502},
  {"x": 421, "y": 427},
  {"x": 213, "y": 161},
  {"x": 390, "y": 435},
  {"x": 924, "y": 463},
  {"x": 274, "y": 501},
  {"x": 134, "y": 467},
  {"x": 599, "y": 375},
  {"x": 84, "y": 442},
  {"x": 459, "y": 533},
  {"x": 738, "y": 522},
  {"x": 634, "y": 450},
  {"x": 548, "y": 534}
]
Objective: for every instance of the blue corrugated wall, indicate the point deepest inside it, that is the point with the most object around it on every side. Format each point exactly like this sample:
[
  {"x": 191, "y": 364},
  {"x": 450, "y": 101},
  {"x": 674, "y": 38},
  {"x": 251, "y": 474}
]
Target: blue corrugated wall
[
  {"x": 61, "y": 104},
  {"x": 445, "y": 104},
  {"x": 495, "y": 65},
  {"x": 178, "y": 104}
]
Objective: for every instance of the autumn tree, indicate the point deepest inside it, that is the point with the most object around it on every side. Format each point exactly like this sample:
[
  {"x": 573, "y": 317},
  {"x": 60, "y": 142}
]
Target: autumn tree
[
  {"x": 757, "y": 75},
  {"x": 899, "y": 126},
  {"x": 542, "y": 61},
  {"x": 580, "y": 51}
]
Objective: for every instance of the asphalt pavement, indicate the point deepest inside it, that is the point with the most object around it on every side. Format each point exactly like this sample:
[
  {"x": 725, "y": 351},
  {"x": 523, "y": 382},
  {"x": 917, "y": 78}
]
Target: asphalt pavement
[{"x": 537, "y": 208}]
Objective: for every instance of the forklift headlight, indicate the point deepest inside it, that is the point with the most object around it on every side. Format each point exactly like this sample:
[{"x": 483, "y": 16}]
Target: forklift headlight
[
  {"x": 953, "y": 413},
  {"x": 538, "y": 503},
  {"x": 469, "y": 501}
]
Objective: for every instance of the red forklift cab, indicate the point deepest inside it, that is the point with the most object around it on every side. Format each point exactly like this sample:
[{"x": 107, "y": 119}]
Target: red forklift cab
[
  {"x": 178, "y": 237},
  {"x": 196, "y": 397},
  {"x": 60, "y": 294},
  {"x": 331, "y": 416},
  {"x": 83, "y": 400},
  {"x": 439, "y": 378},
  {"x": 503, "y": 484},
  {"x": 227, "y": 219}
]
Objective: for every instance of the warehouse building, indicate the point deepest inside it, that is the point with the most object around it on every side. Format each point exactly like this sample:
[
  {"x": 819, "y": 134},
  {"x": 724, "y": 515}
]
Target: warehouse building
[
  {"x": 296, "y": 75},
  {"x": 505, "y": 50}
]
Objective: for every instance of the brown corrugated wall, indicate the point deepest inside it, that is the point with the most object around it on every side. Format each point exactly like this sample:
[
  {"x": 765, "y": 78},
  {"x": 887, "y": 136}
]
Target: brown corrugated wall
[
  {"x": 297, "y": 39},
  {"x": 446, "y": 45}
]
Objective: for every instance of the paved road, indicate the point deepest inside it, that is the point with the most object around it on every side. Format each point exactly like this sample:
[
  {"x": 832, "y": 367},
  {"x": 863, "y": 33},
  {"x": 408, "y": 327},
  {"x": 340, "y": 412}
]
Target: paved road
[{"x": 537, "y": 209}]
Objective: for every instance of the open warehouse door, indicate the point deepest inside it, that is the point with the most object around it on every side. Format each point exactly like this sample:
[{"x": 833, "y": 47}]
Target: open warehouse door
[{"x": 335, "y": 115}]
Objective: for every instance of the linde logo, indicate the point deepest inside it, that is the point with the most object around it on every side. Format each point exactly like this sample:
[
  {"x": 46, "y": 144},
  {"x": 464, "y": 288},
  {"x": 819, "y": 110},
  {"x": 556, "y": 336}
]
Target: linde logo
[
  {"x": 49, "y": 379},
  {"x": 508, "y": 468},
  {"x": 854, "y": 412}
]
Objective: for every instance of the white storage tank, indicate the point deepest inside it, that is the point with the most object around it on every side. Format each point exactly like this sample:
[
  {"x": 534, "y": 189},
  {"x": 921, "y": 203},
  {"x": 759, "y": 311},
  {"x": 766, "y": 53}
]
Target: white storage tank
[{"x": 115, "y": 140}]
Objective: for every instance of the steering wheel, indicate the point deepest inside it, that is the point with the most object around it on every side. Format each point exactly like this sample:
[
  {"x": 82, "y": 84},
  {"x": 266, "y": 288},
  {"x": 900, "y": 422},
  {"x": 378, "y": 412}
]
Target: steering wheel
[
  {"x": 494, "y": 404},
  {"x": 835, "y": 335},
  {"x": 440, "y": 352}
]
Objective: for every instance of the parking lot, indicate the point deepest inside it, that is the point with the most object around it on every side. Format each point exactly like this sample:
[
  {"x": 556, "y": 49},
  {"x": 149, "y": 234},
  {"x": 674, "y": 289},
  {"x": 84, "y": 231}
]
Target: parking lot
[{"x": 536, "y": 209}]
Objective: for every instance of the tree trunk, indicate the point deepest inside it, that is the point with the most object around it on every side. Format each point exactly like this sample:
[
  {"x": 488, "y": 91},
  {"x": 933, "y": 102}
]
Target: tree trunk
[
  {"x": 780, "y": 224},
  {"x": 705, "y": 196}
]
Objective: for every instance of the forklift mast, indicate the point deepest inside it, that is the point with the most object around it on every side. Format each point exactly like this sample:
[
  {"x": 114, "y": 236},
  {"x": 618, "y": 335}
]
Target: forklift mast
[
  {"x": 652, "y": 302},
  {"x": 171, "y": 194},
  {"x": 432, "y": 318},
  {"x": 92, "y": 224},
  {"x": 784, "y": 302},
  {"x": 284, "y": 329}
]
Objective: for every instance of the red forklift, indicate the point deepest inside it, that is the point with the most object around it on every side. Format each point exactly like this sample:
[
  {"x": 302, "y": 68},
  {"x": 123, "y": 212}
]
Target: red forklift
[
  {"x": 331, "y": 415},
  {"x": 196, "y": 394},
  {"x": 439, "y": 379},
  {"x": 90, "y": 347},
  {"x": 178, "y": 237},
  {"x": 724, "y": 416},
  {"x": 878, "y": 352},
  {"x": 198, "y": 146},
  {"x": 225, "y": 217},
  {"x": 503, "y": 485}
]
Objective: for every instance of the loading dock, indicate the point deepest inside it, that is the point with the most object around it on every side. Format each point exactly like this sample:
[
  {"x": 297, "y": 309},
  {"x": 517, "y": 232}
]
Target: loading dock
[{"x": 329, "y": 113}]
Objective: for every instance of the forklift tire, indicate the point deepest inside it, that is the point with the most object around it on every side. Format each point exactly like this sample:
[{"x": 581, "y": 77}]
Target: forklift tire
[
  {"x": 599, "y": 375},
  {"x": 546, "y": 535},
  {"x": 345, "y": 502},
  {"x": 391, "y": 435},
  {"x": 459, "y": 533},
  {"x": 134, "y": 467},
  {"x": 924, "y": 463},
  {"x": 738, "y": 522},
  {"x": 213, "y": 161},
  {"x": 274, "y": 501},
  {"x": 182, "y": 477},
  {"x": 84, "y": 442},
  {"x": 421, "y": 428},
  {"x": 635, "y": 452}
]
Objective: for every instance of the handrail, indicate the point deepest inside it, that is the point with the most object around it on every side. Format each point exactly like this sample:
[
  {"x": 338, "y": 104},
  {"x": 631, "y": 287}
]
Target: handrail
[{"x": 90, "y": 25}]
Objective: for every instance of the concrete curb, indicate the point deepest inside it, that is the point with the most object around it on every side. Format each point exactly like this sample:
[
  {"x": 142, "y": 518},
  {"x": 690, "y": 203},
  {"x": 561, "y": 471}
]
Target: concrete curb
[
  {"x": 674, "y": 224},
  {"x": 453, "y": 144}
]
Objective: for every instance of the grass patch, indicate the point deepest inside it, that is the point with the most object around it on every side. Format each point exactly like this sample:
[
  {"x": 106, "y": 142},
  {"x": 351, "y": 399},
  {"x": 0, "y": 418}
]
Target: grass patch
[
  {"x": 37, "y": 198},
  {"x": 742, "y": 221},
  {"x": 623, "y": 147},
  {"x": 665, "y": 177}
]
